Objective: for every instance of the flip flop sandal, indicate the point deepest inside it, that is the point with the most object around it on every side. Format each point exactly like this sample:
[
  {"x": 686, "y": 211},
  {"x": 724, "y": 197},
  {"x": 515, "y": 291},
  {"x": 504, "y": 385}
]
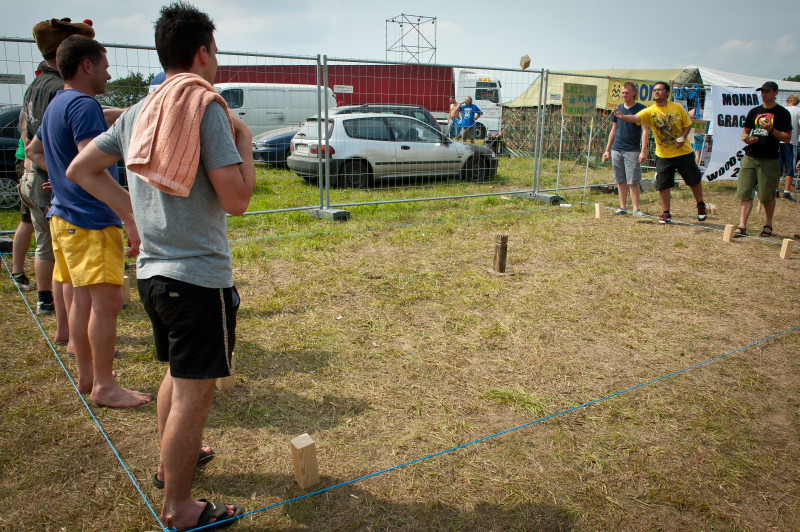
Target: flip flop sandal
[
  {"x": 739, "y": 232},
  {"x": 204, "y": 458},
  {"x": 766, "y": 232},
  {"x": 219, "y": 513}
]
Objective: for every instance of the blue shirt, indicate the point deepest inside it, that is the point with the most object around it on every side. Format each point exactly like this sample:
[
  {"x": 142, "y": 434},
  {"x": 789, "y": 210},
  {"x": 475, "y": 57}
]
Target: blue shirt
[
  {"x": 71, "y": 117},
  {"x": 468, "y": 113},
  {"x": 628, "y": 137}
]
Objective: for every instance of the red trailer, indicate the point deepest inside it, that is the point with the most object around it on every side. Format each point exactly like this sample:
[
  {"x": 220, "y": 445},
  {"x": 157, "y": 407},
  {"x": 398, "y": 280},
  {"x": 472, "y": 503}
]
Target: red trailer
[{"x": 427, "y": 85}]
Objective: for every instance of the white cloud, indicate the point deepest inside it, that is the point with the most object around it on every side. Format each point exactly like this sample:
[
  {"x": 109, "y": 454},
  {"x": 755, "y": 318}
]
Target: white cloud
[{"x": 767, "y": 57}]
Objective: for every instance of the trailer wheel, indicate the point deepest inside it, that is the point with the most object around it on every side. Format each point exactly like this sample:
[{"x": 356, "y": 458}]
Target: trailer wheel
[{"x": 480, "y": 131}]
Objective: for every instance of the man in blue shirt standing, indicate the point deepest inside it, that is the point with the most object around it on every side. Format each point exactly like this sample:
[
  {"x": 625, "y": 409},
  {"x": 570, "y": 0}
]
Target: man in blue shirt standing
[
  {"x": 470, "y": 113},
  {"x": 86, "y": 233},
  {"x": 627, "y": 148}
]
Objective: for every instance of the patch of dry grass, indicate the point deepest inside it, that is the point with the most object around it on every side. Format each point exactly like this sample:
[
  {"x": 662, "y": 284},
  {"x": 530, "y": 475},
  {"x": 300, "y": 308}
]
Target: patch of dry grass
[{"x": 387, "y": 343}]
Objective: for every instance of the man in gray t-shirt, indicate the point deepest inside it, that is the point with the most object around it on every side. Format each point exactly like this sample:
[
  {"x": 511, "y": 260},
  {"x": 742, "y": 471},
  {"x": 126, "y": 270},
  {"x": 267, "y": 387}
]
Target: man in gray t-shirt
[{"x": 184, "y": 266}]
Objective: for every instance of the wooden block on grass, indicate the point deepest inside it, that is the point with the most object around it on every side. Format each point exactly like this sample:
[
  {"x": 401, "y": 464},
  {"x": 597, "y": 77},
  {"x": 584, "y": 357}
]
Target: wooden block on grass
[
  {"x": 786, "y": 248},
  {"x": 228, "y": 383},
  {"x": 304, "y": 456},
  {"x": 598, "y": 210},
  {"x": 728, "y": 233},
  {"x": 126, "y": 289}
]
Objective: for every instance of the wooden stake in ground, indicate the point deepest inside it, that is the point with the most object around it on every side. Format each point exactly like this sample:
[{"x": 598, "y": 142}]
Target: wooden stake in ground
[
  {"x": 304, "y": 456},
  {"x": 728, "y": 233},
  {"x": 598, "y": 210},
  {"x": 786, "y": 248},
  {"x": 228, "y": 383},
  {"x": 500, "y": 253}
]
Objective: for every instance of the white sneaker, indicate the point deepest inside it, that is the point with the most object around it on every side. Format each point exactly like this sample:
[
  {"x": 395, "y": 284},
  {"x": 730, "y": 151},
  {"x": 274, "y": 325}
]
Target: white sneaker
[
  {"x": 620, "y": 211},
  {"x": 638, "y": 213}
]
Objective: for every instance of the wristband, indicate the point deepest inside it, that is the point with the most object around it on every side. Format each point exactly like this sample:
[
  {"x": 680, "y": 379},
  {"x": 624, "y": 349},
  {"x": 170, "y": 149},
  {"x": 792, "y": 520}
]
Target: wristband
[{"x": 681, "y": 139}]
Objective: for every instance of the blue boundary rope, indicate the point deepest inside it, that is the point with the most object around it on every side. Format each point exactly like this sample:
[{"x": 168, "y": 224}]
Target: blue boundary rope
[
  {"x": 417, "y": 460},
  {"x": 75, "y": 386}
]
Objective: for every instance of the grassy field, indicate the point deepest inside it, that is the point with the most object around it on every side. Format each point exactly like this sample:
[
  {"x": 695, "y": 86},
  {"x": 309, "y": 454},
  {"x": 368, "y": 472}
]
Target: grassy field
[{"x": 387, "y": 339}]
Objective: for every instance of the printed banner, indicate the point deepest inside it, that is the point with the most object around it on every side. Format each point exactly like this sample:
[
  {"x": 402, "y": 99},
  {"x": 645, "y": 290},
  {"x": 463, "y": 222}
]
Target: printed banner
[
  {"x": 579, "y": 100},
  {"x": 645, "y": 94},
  {"x": 730, "y": 106}
]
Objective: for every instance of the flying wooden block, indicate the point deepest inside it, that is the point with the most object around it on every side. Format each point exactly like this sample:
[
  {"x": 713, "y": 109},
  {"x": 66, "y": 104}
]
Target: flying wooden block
[
  {"x": 524, "y": 62},
  {"x": 758, "y": 206},
  {"x": 728, "y": 233},
  {"x": 598, "y": 210},
  {"x": 228, "y": 383},
  {"x": 126, "y": 289},
  {"x": 712, "y": 209},
  {"x": 304, "y": 456},
  {"x": 786, "y": 248}
]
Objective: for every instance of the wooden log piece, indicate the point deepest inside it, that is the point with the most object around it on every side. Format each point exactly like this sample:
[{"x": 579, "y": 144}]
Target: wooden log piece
[{"x": 304, "y": 456}]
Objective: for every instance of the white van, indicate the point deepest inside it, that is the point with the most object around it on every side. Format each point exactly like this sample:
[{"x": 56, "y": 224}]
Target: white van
[{"x": 268, "y": 106}]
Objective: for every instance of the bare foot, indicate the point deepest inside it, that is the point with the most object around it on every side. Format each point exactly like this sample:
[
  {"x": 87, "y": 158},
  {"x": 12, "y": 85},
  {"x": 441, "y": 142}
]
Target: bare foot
[{"x": 119, "y": 397}]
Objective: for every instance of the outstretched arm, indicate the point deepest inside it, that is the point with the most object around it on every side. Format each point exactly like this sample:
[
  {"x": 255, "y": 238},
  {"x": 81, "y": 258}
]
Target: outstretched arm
[{"x": 633, "y": 119}]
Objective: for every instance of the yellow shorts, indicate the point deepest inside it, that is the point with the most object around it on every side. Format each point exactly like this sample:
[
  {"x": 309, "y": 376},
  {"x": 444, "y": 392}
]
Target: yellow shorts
[{"x": 87, "y": 256}]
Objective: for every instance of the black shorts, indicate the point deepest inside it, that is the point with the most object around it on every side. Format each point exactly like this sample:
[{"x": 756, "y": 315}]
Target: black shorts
[
  {"x": 684, "y": 164},
  {"x": 194, "y": 327}
]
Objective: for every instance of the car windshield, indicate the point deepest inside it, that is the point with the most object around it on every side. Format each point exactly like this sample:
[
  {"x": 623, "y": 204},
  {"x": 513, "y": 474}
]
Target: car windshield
[{"x": 310, "y": 130}]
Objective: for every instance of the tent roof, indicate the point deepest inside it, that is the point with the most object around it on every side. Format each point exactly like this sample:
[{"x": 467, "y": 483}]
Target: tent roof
[
  {"x": 712, "y": 76},
  {"x": 598, "y": 77}
]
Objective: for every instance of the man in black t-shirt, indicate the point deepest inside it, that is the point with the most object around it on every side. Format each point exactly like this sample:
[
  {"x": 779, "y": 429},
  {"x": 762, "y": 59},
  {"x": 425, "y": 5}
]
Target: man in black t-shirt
[{"x": 765, "y": 127}]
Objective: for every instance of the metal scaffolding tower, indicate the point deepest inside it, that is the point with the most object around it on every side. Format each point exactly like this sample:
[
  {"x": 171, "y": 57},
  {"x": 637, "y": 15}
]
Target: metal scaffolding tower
[{"x": 409, "y": 40}]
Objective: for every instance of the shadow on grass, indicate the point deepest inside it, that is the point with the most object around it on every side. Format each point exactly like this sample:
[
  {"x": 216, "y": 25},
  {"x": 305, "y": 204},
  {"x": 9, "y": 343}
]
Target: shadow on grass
[{"x": 351, "y": 507}]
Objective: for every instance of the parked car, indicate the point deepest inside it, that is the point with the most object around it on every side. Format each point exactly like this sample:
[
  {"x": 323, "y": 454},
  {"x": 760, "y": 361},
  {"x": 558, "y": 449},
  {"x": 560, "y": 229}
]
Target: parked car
[
  {"x": 9, "y": 139},
  {"x": 273, "y": 146},
  {"x": 372, "y": 146}
]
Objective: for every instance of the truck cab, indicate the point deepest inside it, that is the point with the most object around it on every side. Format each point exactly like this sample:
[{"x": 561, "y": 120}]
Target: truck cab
[{"x": 485, "y": 93}]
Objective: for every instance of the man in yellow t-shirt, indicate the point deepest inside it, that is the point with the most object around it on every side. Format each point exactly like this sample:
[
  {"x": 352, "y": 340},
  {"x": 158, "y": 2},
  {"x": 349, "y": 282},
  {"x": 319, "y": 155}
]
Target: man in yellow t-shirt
[{"x": 670, "y": 124}]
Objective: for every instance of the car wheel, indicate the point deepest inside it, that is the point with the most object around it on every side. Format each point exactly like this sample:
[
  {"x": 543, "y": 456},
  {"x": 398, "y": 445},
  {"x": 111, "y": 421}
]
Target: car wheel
[
  {"x": 475, "y": 169},
  {"x": 9, "y": 195},
  {"x": 480, "y": 131},
  {"x": 354, "y": 174}
]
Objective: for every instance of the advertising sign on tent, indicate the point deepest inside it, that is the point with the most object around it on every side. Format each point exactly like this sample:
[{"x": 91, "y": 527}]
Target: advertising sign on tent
[
  {"x": 645, "y": 91},
  {"x": 579, "y": 100},
  {"x": 730, "y": 105}
]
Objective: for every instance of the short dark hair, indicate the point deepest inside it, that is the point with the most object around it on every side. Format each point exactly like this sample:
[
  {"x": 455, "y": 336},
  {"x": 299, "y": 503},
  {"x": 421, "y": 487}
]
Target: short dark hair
[
  {"x": 666, "y": 85},
  {"x": 180, "y": 31},
  {"x": 73, "y": 50}
]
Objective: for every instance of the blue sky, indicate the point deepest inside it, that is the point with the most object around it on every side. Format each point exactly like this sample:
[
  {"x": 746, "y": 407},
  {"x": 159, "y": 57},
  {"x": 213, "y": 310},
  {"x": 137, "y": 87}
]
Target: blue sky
[{"x": 741, "y": 36}]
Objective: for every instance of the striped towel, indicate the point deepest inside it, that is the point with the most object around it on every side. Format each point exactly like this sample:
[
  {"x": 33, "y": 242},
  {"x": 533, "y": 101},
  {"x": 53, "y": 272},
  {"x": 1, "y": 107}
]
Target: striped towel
[{"x": 165, "y": 143}]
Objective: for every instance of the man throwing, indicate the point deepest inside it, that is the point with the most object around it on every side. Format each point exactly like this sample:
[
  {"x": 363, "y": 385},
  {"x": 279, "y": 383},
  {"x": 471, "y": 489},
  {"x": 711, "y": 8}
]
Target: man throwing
[
  {"x": 184, "y": 269},
  {"x": 470, "y": 113},
  {"x": 670, "y": 124},
  {"x": 765, "y": 127},
  {"x": 86, "y": 233},
  {"x": 627, "y": 147}
]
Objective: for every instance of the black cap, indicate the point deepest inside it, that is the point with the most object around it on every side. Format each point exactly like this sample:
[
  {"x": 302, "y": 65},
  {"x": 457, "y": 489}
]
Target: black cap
[{"x": 768, "y": 86}]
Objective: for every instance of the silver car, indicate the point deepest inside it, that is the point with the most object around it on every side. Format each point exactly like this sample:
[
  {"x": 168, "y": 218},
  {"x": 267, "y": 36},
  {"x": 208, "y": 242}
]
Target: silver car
[{"x": 366, "y": 147}]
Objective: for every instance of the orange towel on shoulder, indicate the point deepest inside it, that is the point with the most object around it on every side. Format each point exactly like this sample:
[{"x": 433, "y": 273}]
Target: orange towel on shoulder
[{"x": 165, "y": 143}]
